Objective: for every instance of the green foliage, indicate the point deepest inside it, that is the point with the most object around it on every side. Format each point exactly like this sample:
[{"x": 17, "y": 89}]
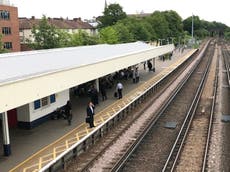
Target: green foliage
[
  {"x": 116, "y": 27},
  {"x": 227, "y": 35},
  {"x": 83, "y": 38},
  {"x": 138, "y": 28},
  {"x": 124, "y": 34},
  {"x": 204, "y": 28},
  {"x": 108, "y": 35},
  {"x": 112, "y": 14},
  {"x": 160, "y": 24},
  {"x": 47, "y": 36},
  {"x": 174, "y": 23}
]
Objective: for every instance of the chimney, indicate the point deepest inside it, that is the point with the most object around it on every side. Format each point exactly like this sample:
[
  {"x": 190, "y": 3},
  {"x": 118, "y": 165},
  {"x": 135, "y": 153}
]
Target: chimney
[
  {"x": 77, "y": 19},
  {"x": 32, "y": 17}
]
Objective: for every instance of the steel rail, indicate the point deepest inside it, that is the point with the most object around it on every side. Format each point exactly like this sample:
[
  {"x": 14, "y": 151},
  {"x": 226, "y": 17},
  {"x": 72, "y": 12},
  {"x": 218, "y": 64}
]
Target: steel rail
[
  {"x": 142, "y": 110},
  {"x": 226, "y": 56},
  {"x": 210, "y": 120},
  {"x": 178, "y": 144},
  {"x": 120, "y": 163}
]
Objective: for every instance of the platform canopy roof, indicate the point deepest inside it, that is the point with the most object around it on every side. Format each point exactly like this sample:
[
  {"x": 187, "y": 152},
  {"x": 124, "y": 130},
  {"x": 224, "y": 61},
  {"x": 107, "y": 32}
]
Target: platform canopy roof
[
  {"x": 45, "y": 72},
  {"x": 22, "y": 65}
]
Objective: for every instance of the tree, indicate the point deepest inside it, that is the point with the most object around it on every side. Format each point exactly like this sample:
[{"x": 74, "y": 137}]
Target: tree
[
  {"x": 83, "y": 38},
  {"x": 108, "y": 35},
  {"x": 112, "y": 14},
  {"x": 124, "y": 34},
  {"x": 47, "y": 36},
  {"x": 139, "y": 28},
  {"x": 174, "y": 22},
  {"x": 196, "y": 24},
  {"x": 160, "y": 24}
]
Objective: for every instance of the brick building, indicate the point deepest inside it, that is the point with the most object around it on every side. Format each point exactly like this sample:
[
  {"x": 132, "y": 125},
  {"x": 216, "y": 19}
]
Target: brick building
[{"x": 9, "y": 26}]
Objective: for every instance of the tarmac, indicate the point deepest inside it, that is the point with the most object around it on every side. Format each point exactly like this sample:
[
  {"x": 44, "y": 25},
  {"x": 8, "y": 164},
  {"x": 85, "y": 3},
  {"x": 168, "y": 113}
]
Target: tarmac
[{"x": 25, "y": 143}]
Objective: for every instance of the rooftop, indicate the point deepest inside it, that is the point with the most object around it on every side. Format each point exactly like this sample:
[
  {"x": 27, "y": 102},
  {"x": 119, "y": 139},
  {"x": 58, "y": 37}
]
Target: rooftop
[{"x": 60, "y": 23}]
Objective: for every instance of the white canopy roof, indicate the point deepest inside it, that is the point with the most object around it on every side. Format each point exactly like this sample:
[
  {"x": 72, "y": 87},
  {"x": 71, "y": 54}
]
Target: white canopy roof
[
  {"x": 28, "y": 76},
  {"x": 14, "y": 66}
]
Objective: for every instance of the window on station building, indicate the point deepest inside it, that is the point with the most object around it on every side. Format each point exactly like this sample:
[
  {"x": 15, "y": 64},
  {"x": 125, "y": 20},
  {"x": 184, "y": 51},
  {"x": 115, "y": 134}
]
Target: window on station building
[
  {"x": 4, "y": 15},
  {"x": 6, "y": 30},
  {"x": 52, "y": 98},
  {"x": 8, "y": 45},
  {"x": 37, "y": 104},
  {"x": 44, "y": 101}
]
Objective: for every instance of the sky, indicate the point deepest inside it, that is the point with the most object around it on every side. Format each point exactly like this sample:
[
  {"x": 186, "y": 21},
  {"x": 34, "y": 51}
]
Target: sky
[{"x": 86, "y": 9}]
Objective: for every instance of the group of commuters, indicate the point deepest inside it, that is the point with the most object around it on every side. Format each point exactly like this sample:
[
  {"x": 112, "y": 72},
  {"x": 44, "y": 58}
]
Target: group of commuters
[
  {"x": 90, "y": 109},
  {"x": 67, "y": 111},
  {"x": 105, "y": 83}
]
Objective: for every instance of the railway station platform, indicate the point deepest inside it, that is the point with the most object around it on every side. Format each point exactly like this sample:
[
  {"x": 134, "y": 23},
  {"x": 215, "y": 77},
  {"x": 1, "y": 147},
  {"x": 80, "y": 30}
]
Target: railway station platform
[{"x": 29, "y": 144}]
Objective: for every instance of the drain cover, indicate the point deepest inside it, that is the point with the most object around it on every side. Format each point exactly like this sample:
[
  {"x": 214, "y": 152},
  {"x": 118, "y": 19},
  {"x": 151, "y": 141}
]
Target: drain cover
[
  {"x": 225, "y": 118},
  {"x": 171, "y": 125}
]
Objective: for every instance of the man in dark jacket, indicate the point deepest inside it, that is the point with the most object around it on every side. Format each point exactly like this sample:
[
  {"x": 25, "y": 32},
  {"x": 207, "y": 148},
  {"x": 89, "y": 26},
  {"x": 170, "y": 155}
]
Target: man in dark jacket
[
  {"x": 68, "y": 112},
  {"x": 90, "y": 114}
]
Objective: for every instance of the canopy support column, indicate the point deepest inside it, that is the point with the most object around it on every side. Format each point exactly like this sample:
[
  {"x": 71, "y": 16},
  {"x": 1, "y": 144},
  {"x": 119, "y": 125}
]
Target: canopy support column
[{"x": 6, "y": 137}]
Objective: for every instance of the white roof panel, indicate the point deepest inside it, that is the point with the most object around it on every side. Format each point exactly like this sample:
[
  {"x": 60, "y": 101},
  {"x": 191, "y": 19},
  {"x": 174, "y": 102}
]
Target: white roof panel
[{"x": 16, "y": 66}]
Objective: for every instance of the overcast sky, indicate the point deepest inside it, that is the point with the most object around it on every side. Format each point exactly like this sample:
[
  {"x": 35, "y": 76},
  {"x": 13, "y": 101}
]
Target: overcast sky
[{"x": 206, "y": 9}]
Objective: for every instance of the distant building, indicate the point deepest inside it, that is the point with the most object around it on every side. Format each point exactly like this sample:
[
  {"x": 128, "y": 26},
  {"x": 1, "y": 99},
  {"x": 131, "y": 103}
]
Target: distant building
[
  {"x": 94, "y": 22},
  {"x": 9, "y": 26},
  {"x": 70, "y": 26}
]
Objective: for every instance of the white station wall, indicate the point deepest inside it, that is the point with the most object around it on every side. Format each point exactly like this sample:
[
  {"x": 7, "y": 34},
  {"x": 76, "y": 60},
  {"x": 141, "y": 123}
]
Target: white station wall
[{"x": 27, "y": 113}]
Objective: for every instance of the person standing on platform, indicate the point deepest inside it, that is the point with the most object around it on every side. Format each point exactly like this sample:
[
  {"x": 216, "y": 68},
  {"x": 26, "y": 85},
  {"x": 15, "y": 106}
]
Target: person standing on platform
[
  {"x": 94, "y": 95},
  {"x": 137, "y": 75},
  {"x": 103, "y": 90},
  {"x": 119, "y": 89},
  {"x": 134, "y": 75},
  {"x": 90, "y": 114},
  {"x": 150, "y": 65},
  {"x": 68, "y": 112}
]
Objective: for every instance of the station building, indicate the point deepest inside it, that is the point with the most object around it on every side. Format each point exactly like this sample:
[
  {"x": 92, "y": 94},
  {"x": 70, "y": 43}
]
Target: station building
[
  {"x": 34, "y": 84},
  {"x": 9, "y": 26}
]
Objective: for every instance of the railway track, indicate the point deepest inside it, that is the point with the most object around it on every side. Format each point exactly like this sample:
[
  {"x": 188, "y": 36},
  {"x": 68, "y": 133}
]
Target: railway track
[
  {"x": 135, "y": 123},
  {"x": 193, "y": 150},
  {"x": 175, "y": 112},
  {"x": 84, "y": 161},
  {"x": 218, "y": 159}
]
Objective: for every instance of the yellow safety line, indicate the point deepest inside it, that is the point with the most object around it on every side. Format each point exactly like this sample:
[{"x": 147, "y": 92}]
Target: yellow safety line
[
  {"x": 34, "y": 165},
  {"x": 77, "y": 136},
  {"x": 87, "y": 131},
  {"x": 40, "y": 163},
  {"x": 54, "y": 153},
  {"x": 67, "y": 144}
]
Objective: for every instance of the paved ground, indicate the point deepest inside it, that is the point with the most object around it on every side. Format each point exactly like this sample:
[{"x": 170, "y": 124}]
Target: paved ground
[{"x": 25, "y": 143}]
